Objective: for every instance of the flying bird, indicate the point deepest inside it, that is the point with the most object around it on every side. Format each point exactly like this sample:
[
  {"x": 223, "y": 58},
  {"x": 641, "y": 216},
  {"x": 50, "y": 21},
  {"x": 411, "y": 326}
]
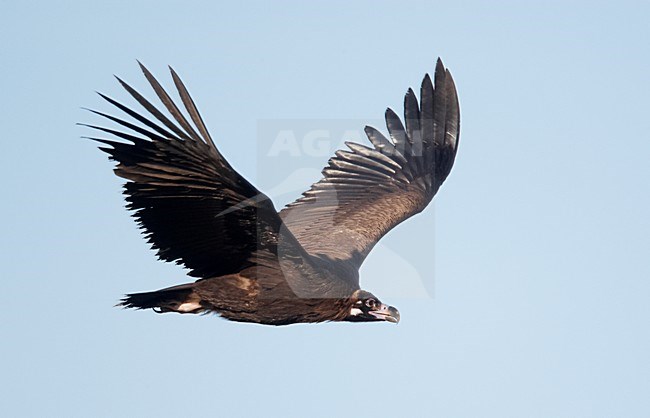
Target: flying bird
[{"x": 253, "y": 263}]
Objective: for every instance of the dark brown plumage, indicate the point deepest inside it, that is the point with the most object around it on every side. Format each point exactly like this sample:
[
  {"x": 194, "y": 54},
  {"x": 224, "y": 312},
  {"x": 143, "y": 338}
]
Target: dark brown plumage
[{"x": 254, "y": 264}]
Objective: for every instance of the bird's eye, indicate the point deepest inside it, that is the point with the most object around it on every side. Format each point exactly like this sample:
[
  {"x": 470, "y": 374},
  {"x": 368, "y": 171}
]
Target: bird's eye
[{"x": 371, "y": 303}]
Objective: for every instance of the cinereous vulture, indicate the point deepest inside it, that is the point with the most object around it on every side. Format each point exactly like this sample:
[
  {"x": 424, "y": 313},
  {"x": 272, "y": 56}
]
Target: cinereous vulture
[{"x": 253, "y": 263}]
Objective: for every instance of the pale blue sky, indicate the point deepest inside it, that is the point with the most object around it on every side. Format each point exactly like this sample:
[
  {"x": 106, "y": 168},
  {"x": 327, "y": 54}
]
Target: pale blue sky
[{"x": 538, "y": 240}]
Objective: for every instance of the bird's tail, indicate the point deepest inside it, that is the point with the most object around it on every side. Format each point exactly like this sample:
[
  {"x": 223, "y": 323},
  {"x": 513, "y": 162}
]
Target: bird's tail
[{"x": 181, "y": 299}]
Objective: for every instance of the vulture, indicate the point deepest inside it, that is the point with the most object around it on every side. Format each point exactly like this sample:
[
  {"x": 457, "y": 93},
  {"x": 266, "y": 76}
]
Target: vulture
[{"x": 255, "y": 264}]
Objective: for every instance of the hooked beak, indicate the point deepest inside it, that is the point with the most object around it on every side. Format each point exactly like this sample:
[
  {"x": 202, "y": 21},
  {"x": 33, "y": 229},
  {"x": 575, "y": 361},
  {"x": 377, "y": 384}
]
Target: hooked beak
[{"x": 386, "y": 313}]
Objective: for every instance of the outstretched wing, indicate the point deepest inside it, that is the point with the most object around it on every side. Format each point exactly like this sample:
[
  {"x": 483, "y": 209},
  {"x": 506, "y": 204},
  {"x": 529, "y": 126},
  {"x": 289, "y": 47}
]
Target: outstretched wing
[
  {"x": 365, "y": 192},
  {"x": 194, "y": 208}
]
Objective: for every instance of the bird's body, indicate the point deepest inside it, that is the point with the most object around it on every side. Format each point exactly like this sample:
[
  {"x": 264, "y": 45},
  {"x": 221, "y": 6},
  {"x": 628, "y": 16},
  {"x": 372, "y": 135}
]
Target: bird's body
[
  {"x": 255, "y": 264},
  {"x": 256, "y": 294}
]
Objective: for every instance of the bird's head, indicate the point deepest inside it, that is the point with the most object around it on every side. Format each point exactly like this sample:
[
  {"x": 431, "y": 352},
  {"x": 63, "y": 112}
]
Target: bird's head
[{"x": 366, "y": 307}]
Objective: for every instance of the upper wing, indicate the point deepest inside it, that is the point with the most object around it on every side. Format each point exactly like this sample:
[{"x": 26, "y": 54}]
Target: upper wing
[
  {"x": 365, "y": 192},
  {"x": 194, "y": 207}
]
